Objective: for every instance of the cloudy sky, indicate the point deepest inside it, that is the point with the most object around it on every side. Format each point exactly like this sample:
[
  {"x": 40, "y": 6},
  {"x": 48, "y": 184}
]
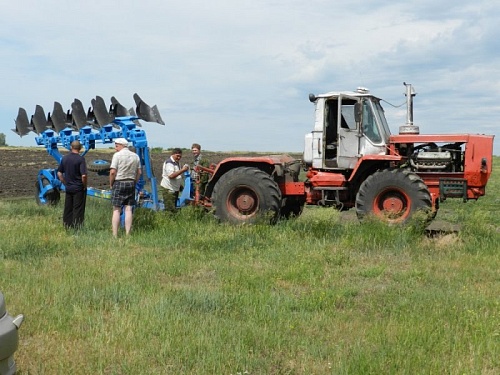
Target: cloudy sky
[{"x": 234, "y": 75}]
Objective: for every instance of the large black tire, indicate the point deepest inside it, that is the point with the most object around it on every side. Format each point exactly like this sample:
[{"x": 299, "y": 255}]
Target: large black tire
[
  {"x": 99, "y": 166},
  {"x": 393, "y": 195},
  {"x": 52, "y": 196},
  {"x": 246, "y": 195}
]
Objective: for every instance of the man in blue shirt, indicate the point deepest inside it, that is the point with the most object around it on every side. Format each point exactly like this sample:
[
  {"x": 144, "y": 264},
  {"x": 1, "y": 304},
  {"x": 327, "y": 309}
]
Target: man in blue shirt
[{"x": 72, "y": 172}]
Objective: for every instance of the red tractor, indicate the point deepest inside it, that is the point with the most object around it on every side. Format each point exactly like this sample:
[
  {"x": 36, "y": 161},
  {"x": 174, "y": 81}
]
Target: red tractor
[{"x": 351, "y": 159}]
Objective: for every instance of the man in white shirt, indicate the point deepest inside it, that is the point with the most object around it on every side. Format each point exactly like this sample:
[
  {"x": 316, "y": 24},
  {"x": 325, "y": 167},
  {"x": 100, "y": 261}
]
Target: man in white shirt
[
  {"x": 125, "y": 171},
  {"x": 172, "y": 178}
]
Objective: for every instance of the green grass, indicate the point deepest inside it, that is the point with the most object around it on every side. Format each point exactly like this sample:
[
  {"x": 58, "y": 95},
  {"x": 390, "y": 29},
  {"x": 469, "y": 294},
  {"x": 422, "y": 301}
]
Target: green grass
[{"x": 319, "y": 294}]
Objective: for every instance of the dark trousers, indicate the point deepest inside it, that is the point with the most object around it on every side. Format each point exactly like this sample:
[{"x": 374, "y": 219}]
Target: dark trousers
[{"x": 74, "y": 209}]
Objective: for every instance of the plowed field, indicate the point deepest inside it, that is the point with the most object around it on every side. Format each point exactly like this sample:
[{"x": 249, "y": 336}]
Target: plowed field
[{"x": 19, "y": 167}]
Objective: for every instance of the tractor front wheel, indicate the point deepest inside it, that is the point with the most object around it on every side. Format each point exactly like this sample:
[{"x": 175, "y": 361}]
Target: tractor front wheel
[
  {"x": 246, "y": 195},
  {"x": 393, "y": 195}
]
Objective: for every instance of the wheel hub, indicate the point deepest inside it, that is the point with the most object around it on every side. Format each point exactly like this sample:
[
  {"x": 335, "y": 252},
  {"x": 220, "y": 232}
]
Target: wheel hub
[
  {"x": 245, "y": 202},
  {"x": 393, "y": 205}
]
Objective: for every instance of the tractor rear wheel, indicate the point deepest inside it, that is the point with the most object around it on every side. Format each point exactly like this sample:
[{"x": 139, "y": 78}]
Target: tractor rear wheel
[
  {"x": 246, "y": 195},
  {"x": 393, "y": 195}
]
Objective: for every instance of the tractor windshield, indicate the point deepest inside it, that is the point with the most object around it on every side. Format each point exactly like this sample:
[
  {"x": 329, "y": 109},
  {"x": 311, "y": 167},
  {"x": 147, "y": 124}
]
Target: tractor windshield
[
  {"x": 375, "y": 126},
  {"x": 369, "y": 125},
  {"x": 379, "y": 111}
]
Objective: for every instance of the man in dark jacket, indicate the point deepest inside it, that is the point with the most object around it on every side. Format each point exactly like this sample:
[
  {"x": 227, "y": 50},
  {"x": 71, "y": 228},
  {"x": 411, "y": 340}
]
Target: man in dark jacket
[{"x": 72, "y": 172}]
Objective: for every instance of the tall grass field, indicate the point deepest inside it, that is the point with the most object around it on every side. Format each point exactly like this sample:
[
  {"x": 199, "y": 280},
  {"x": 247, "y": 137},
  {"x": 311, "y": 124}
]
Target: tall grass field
[{"x": 318, "y": 294}]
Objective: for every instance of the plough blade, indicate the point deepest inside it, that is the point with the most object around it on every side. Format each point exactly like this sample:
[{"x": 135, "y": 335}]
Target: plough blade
[
  {"x": 102, "y": 116},
  {"x": 78, "y": 114},
  {"x": 23, "y": 126},
  {"x": 97, "y": 116},
  {"x": 90, "y": 114},
  {"x": 117, "y": 109},
  {"x": 59, "y": 119},
  {"x": 39, "y": 120},
  {"x": 147, "y": 113}
]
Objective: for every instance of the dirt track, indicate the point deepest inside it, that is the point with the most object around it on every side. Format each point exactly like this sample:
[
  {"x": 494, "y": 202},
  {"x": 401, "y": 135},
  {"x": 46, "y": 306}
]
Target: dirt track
[{"x": 19, "y": 167}]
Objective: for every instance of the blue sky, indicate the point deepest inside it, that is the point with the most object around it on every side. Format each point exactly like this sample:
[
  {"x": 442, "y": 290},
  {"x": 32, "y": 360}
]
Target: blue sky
[{"x": 235, "y": 75}]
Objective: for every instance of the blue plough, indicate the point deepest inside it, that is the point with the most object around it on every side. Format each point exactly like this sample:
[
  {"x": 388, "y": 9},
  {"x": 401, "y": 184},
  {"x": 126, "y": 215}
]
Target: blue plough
[{"x": 98, "y": 125}]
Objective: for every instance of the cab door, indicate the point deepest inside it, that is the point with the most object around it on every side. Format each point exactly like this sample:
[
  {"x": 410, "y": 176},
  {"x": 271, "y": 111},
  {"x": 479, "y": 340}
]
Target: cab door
[{"x": 349, "y": 133}]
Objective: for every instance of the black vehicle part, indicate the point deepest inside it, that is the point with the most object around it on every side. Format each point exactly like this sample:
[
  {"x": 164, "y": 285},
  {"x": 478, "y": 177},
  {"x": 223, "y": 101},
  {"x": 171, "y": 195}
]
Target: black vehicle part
[
  {"x": 292, "y": 207},
  {"x": 246, "y": 195},
  {"x": 393, "y": 195},
  {"x": 23, "y": 125},
  {"x": 99, "y": 165},
  {"x": 147, "y": 113}
]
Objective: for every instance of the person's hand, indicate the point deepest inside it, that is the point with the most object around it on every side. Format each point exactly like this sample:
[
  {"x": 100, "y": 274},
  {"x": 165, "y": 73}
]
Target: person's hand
[{"x": 186, "y": 167}]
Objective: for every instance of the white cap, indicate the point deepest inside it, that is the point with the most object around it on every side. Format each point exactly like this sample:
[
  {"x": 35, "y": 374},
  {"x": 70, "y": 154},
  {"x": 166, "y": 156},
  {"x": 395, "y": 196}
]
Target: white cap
[{"x": 121, "y": 141}]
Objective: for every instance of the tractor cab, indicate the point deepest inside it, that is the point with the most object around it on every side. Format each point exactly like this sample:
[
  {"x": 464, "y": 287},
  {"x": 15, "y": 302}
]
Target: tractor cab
[{"x": 347, "y": 126}]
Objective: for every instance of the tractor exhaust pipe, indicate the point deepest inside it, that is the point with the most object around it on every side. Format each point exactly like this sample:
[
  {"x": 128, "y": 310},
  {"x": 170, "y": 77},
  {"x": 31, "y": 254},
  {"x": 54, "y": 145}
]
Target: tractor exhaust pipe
[
  {"x": 410, "y": 93},
  {"x": 409, "y": 127}
]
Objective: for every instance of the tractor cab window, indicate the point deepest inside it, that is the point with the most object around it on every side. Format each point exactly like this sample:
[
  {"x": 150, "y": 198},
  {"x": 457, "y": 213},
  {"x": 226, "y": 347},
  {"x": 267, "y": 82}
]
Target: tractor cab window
[
  {"x": 348, "y": 119},
  {"x": 369, "y": 125},
  {"x": 379, "y": 111}
]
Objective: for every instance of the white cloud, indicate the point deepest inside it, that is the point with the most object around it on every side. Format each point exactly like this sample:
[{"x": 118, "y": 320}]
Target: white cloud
[{"x": 236, "y": 75}]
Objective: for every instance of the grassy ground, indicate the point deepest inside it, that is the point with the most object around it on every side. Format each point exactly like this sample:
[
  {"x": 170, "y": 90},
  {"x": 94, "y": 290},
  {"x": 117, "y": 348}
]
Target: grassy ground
[{"x": 316, "y": 295}]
